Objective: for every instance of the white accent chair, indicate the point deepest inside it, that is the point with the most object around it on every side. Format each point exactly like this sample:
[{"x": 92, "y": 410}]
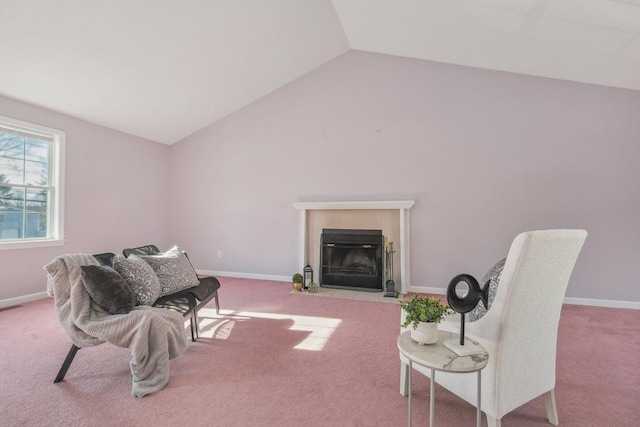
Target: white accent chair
[{"x": 520, "y": 329}]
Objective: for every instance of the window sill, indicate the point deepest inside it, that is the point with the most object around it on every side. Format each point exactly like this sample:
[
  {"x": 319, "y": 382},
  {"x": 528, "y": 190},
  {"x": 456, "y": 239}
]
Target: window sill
[{"x": 27, "y": 244}]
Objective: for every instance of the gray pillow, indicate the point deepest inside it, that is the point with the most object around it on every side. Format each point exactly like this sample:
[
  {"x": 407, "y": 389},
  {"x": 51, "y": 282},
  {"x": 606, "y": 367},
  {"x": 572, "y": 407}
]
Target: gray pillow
[
  {"x": 173, "y": 269},
  {"x": 108, "y": 289},
  {"x": 141, "y": 278},
  {"x": 493, "y": 277}
]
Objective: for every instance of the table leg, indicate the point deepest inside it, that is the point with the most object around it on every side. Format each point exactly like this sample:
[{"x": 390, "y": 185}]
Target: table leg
[
  {"x": 432, "y": 397},
  {"x": 409, "y": 380},
  {"x": 479, "y": 411}
]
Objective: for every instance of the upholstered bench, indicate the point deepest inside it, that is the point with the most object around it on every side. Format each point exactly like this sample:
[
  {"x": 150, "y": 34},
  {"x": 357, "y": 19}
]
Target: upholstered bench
[{"x": 186, "y": 302}]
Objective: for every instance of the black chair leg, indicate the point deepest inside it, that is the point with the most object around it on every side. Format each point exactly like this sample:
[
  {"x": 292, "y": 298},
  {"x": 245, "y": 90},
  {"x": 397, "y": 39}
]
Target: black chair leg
[
  {"x": 194, "y": 321},
  {"x": 67, "y": 362},
  {"x": 193, "y": 336}
]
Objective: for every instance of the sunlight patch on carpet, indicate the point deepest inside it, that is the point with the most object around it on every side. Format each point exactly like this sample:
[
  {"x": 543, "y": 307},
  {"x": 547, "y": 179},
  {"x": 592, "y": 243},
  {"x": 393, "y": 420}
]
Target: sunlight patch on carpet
[
  {"x": 214, "y": 325},
  {"x": 219, "y": 326}
]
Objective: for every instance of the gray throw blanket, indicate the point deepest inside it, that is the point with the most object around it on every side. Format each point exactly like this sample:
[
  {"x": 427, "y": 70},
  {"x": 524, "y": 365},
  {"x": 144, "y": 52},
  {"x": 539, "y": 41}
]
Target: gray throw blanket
[{"x": 152, "y": 335}]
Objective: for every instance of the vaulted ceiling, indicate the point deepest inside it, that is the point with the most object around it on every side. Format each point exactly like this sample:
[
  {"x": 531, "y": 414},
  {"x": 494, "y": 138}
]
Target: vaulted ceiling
[{"x": 164, "y": 69}]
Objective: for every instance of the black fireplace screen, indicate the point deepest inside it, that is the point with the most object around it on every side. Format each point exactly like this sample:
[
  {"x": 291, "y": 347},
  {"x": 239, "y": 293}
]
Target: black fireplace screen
[{"x": 351, "y": 259}]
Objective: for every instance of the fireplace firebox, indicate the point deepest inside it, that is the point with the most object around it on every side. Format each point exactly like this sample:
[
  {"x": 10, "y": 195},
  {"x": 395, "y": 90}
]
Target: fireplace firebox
[{"x": 351, "y": 259}]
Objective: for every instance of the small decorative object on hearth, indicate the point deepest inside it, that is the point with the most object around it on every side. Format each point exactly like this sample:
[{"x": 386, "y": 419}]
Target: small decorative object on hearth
[
  {"x": 424, "y": 314},
  {"x": 313, "y": 288},
  {"x": 308, "y": 276},
  {"x": 463, "y": 299},
  {"x": 297, "y": 282}
]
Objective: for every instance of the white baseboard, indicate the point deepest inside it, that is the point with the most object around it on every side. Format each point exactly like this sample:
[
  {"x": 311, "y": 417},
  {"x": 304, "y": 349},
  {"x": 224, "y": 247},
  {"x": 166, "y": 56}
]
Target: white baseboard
[
  {"x": 574, "y": 301},
  {"x": 245, "y": 275},
  {"x": 10, "y": 302},
  {"x": 428, "y": 290},
  {"x": 603, "y": 303}
]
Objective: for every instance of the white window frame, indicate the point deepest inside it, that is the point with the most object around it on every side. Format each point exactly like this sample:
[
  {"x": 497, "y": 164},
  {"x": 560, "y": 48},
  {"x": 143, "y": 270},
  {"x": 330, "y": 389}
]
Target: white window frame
[{"x": 56, "y": 173}]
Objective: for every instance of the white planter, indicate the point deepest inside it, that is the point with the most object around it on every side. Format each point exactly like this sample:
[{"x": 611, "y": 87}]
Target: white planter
[{"x": 425, "y": 333}]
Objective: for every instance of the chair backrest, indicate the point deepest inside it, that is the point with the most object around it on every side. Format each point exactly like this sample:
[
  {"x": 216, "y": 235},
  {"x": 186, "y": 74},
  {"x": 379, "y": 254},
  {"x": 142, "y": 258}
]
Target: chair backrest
[
  {"x": 105, "y": 258},
  {"x": 141, "y": 250},
  {"x": 525, "y": 313}
]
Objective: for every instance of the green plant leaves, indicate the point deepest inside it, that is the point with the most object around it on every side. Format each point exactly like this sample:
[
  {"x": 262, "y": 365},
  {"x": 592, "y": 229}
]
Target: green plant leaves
[{"x": 423, "y": 309}]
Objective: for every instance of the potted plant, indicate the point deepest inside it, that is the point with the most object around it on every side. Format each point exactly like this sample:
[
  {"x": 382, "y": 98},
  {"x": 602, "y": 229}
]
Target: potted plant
[
  {"x": 423, "y": 314},
  {"x": 297, "y": 282}
]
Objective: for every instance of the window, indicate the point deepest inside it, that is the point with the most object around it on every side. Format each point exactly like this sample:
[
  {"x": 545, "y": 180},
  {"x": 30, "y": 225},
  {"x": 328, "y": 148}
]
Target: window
[{"x": 31, "y": 185}]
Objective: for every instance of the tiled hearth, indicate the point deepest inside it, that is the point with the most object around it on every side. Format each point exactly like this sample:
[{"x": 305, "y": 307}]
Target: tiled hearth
[{"x": 349, "y": 294}]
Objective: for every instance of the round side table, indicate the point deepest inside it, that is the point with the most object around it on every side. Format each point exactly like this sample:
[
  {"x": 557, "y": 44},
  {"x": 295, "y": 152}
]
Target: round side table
[{"x": 437, "y": 357}]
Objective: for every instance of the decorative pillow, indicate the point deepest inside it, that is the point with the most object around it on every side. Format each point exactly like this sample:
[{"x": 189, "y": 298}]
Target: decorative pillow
[
  {"x": 173, "y": 269},
  {"x": 141, "y": 278},
  {"x": 108, "y": 289},
  {"x": 493, "y": 277}
]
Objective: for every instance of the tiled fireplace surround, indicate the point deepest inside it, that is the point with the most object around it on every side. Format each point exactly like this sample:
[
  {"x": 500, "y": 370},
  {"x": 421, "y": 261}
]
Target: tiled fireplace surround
[{"x": 390, "y": 216}]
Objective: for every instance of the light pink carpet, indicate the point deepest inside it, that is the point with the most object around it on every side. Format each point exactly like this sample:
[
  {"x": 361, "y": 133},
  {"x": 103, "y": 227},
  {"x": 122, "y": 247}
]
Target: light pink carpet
[{"x": 279, "y": 359}]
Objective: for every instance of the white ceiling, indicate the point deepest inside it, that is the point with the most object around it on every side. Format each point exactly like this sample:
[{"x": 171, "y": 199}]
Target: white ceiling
[{"x": 165, "y": 69}]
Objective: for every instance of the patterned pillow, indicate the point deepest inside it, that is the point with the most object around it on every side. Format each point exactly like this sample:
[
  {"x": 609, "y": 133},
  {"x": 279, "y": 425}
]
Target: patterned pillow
[
  {"x": 141, "y": 278},
  {"x": 173, "y": 269},
  {"x": 108, "y": 289},
  {"x": 493, "y": 277}
]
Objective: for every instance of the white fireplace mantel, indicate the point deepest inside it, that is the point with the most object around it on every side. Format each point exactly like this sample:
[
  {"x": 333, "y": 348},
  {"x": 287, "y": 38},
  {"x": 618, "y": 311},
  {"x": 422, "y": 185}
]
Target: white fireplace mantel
[{"x": 402, "y": 205}]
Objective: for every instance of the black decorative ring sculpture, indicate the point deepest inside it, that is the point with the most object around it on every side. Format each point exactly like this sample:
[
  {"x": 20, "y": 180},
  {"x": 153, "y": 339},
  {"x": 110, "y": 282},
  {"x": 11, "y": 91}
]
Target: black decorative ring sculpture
[{"x": 470, "y": 299}]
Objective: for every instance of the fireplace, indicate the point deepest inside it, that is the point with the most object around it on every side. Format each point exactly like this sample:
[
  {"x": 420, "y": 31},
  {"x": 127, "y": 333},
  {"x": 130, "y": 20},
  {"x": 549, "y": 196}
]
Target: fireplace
[
  {"x": 315, "y": 216},
  {"x": 351, "y": 259}
]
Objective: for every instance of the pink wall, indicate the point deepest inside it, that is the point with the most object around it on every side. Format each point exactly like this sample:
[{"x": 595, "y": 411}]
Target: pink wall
[
  {"x": 485, "y": 155},
  {"x": 116, "y": 196}
]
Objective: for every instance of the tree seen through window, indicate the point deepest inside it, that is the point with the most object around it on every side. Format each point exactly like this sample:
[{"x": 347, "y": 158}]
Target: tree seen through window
[{"x": 24, "y": 186}]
